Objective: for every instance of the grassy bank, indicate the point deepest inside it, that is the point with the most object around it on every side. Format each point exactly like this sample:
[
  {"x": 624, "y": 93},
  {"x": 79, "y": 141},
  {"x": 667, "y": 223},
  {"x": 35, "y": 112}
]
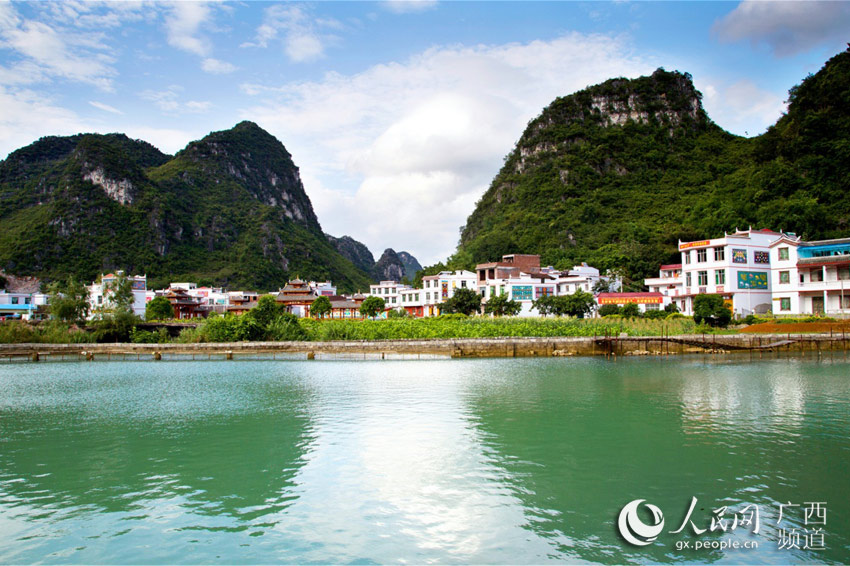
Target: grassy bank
[
  {"x": 288, "y": 328},
  {"x": 451, "y": 326}
]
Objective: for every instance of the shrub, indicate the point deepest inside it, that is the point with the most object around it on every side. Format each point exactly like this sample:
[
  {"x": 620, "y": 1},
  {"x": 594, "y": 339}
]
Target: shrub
[
  {"x": 286, "y": 328},
  {"x": 608, "y": 310},
  {"x": 711, "y": 310},
  {"x": 630, "y": 310},
  {"x": 159, "y": 309},
  {"x": 159, "y": 336}
]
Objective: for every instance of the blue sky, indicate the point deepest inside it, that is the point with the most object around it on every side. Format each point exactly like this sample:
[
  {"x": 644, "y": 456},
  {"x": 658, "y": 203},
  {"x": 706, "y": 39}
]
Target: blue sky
[{"x": 398, "y": 113}]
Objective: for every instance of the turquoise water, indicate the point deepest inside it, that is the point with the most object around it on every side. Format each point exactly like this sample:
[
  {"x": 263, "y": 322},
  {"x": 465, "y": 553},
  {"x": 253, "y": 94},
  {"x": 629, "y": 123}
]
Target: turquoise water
[{"x": 447, "y": 461}]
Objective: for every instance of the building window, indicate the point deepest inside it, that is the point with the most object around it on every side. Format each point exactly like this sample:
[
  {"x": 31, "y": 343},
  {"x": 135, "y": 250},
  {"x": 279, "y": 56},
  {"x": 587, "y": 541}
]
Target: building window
[
  {"x": 843, "y": 273},
  {"x": 702, "y": 278},
  {"x": 720, "y": 277},
  {"x": 783, "y": 253},
  {"x": 784, "y": 277},
  {"x": 687, "y": 255},
  {"x": 687, "y": 279},
  {"x": 719, "y": 254},
  {"x": 702, "y": 255},
  {"x": 817, "y": 275},
  {"x": 785, "y": 304},
  {"x": 27, "y": 300},
  {"x": 14, "y": 300},
  {"x": 463, "y": 284}
]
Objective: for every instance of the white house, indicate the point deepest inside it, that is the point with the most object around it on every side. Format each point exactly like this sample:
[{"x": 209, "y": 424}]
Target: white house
[
  {"x": 99, "y": 293},
  {"x": 736, "y": 266},
  {"x": 668, "y": 284},
  {"x": 810, "y": 277},
  {"x": 389, "y": 291}
]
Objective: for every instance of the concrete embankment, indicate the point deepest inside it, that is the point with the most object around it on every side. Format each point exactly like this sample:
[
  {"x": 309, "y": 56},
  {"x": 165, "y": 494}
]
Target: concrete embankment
[{"x": 436, "y": 348}]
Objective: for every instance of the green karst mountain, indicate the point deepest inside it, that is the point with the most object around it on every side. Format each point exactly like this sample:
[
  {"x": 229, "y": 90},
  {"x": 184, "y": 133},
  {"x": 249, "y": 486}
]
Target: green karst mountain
[
  {"x": 228, "y": 209},
  {"x": 615, "y": 174}
]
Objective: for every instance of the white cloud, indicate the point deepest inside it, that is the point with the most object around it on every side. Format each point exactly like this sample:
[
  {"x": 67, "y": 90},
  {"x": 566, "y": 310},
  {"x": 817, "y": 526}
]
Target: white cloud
[
  {"x": 787, "y": 28},
  {"x": 105, "y": 107},
  {"x": 183, "y": 24},
  {"x": 396, "y": 156},
  {"x": 216, "y": 67},
  {"x": 169, "y": 102},
  {"x": 49, "y": 51},
  {"x": 26, "y": 116},
  {"x": 300, "y": 33},
  {"x": 165, "y": 139},
  {"x": 409, "y": 6},
  {"x": 741, "y": 107}
]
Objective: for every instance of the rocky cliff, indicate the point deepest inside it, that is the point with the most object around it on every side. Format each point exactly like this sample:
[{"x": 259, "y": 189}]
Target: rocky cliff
[
  {"x": 229, "y": 209},
  {"x": 615, "y": 174}
]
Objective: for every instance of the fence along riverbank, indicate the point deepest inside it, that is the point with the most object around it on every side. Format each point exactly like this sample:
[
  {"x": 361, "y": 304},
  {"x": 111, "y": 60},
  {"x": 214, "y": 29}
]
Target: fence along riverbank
[{"x": 436, "y": 348}]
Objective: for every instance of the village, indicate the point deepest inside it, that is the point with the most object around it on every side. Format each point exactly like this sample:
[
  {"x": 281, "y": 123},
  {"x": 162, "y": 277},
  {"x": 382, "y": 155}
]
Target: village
[{"x": 757, "y": 272}]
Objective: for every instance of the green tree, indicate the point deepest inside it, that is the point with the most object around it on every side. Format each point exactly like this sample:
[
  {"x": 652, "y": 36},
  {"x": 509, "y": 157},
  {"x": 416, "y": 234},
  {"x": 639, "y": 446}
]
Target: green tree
[
  {"x": 608, "y": 310},
  {"x": 159, "y": 309},
  {"x": 320, "y": 307},
  {"x": 630, "y": 310},
  {"x": 464, "y": 301},
  {"x": 712, "y": 310},
  {"x": 371, "y": 306},
  {"x": 118, "y": 294},
  {"x": 671, "y": 308},
  {"x": 545, "y": 305},
  {"x": 502, "y": 305},
  {"x": 579, "y": 304},
  {"x": 266, "y": 311},
  {"x": 69, "y": 300}
]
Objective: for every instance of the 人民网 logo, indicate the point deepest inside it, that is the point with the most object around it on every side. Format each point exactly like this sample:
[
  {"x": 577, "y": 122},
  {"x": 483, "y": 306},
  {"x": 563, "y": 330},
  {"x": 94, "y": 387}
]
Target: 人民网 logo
[{"x": 634, "y": 530}]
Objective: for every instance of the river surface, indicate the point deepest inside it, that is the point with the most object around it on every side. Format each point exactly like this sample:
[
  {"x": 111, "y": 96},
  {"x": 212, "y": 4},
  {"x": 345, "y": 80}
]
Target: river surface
[{"x": 444, "y": 461}]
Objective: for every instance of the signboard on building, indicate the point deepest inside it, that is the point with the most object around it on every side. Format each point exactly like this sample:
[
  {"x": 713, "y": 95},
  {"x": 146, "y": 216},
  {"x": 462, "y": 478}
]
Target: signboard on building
[
  {"x": 761, "y": 257},
  {"x": 739, "y": 255},
  {"x": 688, "y": 245},
  {"x": 752, "y": 280},
  {"x": 543, "y": 291},
  {"x": 445, "y": 289},
  {"x": 521, "y": 293},
  {"x": 626, "y": 300}
]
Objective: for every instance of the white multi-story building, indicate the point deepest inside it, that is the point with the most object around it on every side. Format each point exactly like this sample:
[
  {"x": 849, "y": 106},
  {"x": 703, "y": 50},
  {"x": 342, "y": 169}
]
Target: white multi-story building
[
  {"x": 525, "y": 288},
  {"x": 668, "y": 283},
  {"x": 99, "y": 299},
  {"x": 389, "y": 291},
  {"x": 736, "y": 266},
  {"x": 581, "y": 278},
  {"x": 442, "y": 287},
  {"x": 810, "y": 277},
  {"x": 323, "y": 288}
]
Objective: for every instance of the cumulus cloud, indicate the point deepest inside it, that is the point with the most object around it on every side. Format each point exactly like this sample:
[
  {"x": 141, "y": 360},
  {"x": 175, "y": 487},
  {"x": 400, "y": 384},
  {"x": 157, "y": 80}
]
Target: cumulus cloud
[
  {"x": 741, "y": 107},
  {"x": 46, "y": 50},
  {"x": 787, "y": 28},
  {"x": 303, "y": 36},
  {"x": 26, "y": 115},
  {"x": 183, "y": 25},
  {"x": 216, "y": 67},
  {"x": 397, "y": 155}
]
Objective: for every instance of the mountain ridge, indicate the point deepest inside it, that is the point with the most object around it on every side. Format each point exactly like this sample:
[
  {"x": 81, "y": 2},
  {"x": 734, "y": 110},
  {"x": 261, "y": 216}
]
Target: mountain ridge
[{"x": 228, "y": 209}]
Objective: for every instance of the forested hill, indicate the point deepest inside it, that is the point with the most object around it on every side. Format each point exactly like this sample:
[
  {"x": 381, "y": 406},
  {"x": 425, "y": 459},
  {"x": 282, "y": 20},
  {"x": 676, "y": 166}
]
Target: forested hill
[
  {"x": 229, "y": 209},
  {"x": 615, "y": 174}
]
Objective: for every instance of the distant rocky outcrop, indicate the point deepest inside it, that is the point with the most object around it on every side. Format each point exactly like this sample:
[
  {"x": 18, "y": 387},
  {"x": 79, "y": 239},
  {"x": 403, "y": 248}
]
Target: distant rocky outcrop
[
  {"x": 230, "y": 209},
  {"x": 410, "y": 263},
  {"x": 389, "y": 267},
  {"x": 354, "y": 251}
]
